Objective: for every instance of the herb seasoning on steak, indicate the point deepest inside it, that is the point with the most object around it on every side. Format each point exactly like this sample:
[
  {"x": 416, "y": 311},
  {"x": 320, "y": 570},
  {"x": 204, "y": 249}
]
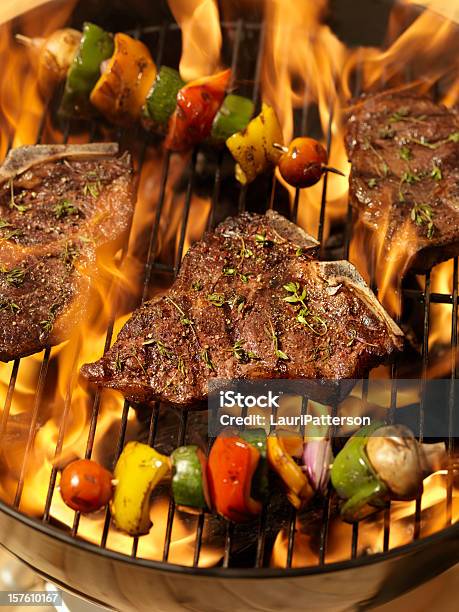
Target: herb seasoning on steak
[
  {"x": 59, "y": 205},
  {"x": 404, "y": 151},
  {"x": 249, "y": 302}
]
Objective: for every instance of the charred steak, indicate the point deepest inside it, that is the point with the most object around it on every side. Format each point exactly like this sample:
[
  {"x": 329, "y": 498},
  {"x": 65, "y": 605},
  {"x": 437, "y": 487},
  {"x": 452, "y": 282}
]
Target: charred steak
[
  {"x": 404, "y": 151},
  {"x": 249, "y": 302},
  {"x": 60, "y": 207}
]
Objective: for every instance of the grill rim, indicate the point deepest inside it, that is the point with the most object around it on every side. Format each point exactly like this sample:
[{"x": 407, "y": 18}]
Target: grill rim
[
  {"x": 354, "y": 561},
  {"x": 446, "y": 533}
]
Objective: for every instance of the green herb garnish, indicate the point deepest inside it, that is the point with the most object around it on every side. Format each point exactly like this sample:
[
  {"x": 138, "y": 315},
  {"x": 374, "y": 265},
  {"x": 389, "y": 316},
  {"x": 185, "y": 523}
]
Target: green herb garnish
[
  {"x": 241, "y": 354},
  {"x": 386, "y": 132},
  {"x": 436, "y": 173},
  {"x": 238, "y": 301},
  {"x": 405, "y": 153},
  {"x": 181, "y": 367},
  {"x": 69, "y": 254},
  {"x": 4, "y": 304},
  {"x": 244, "y": 252},
  {"x": 217, "y": 299},
  {"x": 119, "y": 363},
  {"x": 197, "y": 285},
  {"x": 16, "y": 233},
  {"x": 304, "y": 315},
  {"x": 423, "y": 142},
  {"x": 384, "y": 168},
  {"x": 229, "y": 271},
  {"x": 400, "y": 115},
  {"x": 65, "y": 209},
  {"x": 48, "y": 324},
  {"x": 321, "y": 352},
  {"x": 15, "y": 276},
  {"x": 205, "y": 356},
  {"x": 410, "y": 177},
  {"x": 19, "y": 207},
  {"x": 372, "y": 183},
  {"x": 139, "y": 363},
  {"x": 92, "y": 188},
  {"x": 272, "y": 335},
  {"x": 262, "y": 240},
  {"x": 163, "y": 350},
  {"x": 422, "y": 214}
]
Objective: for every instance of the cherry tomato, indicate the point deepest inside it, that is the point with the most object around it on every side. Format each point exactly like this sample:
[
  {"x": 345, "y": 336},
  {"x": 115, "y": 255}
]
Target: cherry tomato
[
  {"x": 302, "y": 165},
  {"x": 197, "y": 105},
  {"x": 86, "y": 486}
]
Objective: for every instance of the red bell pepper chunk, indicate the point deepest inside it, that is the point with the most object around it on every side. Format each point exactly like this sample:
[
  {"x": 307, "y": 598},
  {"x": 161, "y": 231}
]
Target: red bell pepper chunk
[
  {"x": 197, "y": 105},
  {"x": 230, "y": 468}
]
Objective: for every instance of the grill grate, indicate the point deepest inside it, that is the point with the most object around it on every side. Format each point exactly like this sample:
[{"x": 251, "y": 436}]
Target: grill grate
[{"x": 240, "y": 31}]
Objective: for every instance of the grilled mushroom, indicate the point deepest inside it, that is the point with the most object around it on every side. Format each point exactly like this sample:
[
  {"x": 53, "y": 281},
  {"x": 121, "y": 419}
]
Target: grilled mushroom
[{"x": 401, "y": 462}]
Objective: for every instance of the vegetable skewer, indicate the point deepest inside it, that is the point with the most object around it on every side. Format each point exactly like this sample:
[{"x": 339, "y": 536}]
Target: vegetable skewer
[
  {"x": 138, "y": 470},
  {"x": 117, "y": 77},
  {"x": 55, "y": 54},
  {"x": 126, "y": 78},
  {"x": 303, "y": 162},
  {"x": 378, "y": 463},
  {"x": 96, "y": 45}
]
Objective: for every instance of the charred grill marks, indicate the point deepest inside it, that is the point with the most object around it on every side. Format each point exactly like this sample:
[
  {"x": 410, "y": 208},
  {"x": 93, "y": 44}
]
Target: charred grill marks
[{"x": 249, "y": 301}]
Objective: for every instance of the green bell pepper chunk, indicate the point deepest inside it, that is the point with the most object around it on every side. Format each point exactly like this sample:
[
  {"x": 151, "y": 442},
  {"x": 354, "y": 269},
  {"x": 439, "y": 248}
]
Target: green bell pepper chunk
[
  {"x": 189, "y": 485},
  {"x": 355, "y": 480},
  {"x": 95, "y": 47},
  {"x": 260, "y": 481},
  {"x": 233, "y": 116},
  {"x": 162, "y": 97}
]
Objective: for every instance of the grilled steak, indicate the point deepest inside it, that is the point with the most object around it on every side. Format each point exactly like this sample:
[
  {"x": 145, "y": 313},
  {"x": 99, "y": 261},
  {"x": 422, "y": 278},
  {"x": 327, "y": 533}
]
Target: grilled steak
[
  {"x": 404, "y": 150},
  {"x": 249, "y": 302},
  {"x": 60, "y": 207}
]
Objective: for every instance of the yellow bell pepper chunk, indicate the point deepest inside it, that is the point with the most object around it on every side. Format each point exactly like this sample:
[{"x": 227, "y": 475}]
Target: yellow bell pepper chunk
[
  {"x": 138, "y": 471},
  {"x": 299, "y": 491},
  {"x": 120, "y": 92},
  {"x": 253, "y": 148}
]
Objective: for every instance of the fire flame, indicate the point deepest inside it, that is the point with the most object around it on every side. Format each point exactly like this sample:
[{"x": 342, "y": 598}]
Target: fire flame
[
  {"x": 312, "y": 73},
  {"x": 117, "y": 284},
  {"x": 306, "y": 61},
  {"x": 433, "y": 517},
  {"x": 199, "y": 21}
]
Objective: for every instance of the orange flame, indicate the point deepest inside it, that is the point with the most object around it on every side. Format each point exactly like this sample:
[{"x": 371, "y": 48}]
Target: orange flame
[
  {"x": 116, "y": 284},
  {"x": 201, "y": 36},
  {"x": 433, "y": 518},
  {"x": 307, "y": 62},
  {"x": 298, "y": 71}
]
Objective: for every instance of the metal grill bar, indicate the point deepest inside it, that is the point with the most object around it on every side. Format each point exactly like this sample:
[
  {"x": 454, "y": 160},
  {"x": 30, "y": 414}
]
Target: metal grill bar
[
  {"x": 170, "y": 516},
  {"x": 424, "y": 297},
  {"x": 33, "y": 425},
  {"x": 451, "y": 402},
  {"x": 9, "y": 397},
  {"x": 217, "y": 181}
]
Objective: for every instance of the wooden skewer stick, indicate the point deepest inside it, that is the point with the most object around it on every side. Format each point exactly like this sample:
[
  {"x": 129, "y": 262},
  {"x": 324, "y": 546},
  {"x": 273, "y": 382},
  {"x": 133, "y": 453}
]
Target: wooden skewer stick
[
  {"x": 334, "y": 170},
  {"x": 29, "y": 42},
  {"x": 280, "y": 147},
  {"x": 284, "y": 149}
]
